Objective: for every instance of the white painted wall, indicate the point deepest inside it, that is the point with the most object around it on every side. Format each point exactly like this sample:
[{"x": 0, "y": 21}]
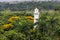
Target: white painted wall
[{"x": 36, "y": 15}]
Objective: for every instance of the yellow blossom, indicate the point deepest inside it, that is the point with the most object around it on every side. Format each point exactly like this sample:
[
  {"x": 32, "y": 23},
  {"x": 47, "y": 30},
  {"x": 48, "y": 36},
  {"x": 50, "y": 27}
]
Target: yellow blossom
[
  {"x": 11, "y": 19},
  {"x": 5, "y": 26},
  {"x": 30, "y": 18}
]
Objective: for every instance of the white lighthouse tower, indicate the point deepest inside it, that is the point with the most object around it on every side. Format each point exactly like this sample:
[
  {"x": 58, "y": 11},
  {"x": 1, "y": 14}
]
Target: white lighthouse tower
[{"x": 36, "y": 16}]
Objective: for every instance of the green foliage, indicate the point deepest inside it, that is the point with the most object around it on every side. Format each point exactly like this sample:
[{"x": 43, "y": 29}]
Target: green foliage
[
  {"x": 3, "y": 37},
  {"x": 48, "y": 26}
]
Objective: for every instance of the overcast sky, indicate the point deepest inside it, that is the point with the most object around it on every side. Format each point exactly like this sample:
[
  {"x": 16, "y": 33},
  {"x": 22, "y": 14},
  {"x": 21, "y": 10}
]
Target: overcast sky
[
  {"x": 21, "y": 0},
  {"x": 18, "y": 0}
]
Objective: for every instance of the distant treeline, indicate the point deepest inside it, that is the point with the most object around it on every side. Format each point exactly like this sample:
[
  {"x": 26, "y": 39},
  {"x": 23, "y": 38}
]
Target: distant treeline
[{"x": 21, "y": 6}]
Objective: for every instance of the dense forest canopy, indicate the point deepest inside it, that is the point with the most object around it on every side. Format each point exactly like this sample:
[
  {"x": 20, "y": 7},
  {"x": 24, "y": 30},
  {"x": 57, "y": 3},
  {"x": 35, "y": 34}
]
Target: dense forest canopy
[
  {"x": 21, "y": 6},
  {"x": 17, "y": 21}
]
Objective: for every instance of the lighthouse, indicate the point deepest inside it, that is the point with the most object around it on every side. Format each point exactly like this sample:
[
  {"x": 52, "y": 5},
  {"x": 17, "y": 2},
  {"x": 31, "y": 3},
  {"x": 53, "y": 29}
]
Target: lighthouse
[{"x": 36, "y": 16}]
